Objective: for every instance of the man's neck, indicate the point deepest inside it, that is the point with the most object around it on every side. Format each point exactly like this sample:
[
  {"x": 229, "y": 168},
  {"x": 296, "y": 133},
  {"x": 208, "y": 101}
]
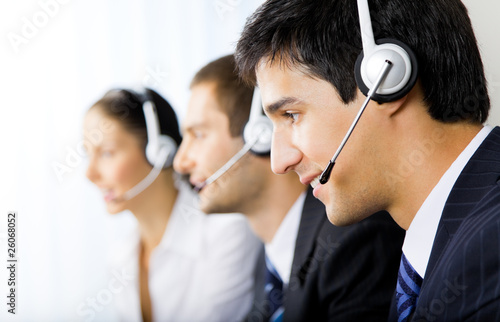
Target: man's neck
[
  {"x": 266, "y": 217},
  {"x": 427, "y": 155}
]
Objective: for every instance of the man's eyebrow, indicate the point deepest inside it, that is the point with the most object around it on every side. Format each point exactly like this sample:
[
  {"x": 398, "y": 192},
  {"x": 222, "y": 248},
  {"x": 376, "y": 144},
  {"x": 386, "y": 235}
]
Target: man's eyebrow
[
  {"x": 274, "y": 107},
  {"x": 192, "y": 127}
]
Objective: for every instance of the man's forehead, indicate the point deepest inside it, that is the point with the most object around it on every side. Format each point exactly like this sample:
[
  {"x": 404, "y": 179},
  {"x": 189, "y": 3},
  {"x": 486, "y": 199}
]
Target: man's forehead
[
  {"x": 203, "y": 107},
  {"x": 282, "y": 63},
  {"x": 281, "y": 86}
]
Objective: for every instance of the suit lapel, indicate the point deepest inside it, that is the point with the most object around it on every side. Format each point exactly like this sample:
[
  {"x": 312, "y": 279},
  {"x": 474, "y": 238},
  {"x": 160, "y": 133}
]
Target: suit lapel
[
  {"x": 312, "y": 218},
  {"x": 481, "y": 172}
]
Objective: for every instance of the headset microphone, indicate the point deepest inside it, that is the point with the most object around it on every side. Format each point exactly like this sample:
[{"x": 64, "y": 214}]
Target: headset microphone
[
  {"x": 325, "y": 175},
  {"x": 257, "y": 135},
  {"x": 226, "y": 166},
  {"x": 148, "y": 180},
  {"x": 160, "y": 148},
  {"x": 372, "y": 73}
]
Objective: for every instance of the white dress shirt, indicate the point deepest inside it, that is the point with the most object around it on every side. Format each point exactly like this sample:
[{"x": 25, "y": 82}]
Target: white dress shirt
[
  {"x": 422, "y": 231},
  {"x": 202, "y": 270},
  {"x": 281, "y": 249}
]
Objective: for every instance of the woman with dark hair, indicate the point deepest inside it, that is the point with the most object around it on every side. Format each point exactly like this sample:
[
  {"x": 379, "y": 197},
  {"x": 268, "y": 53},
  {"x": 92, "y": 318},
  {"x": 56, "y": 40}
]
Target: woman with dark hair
[{"x": 185, "y": 266}]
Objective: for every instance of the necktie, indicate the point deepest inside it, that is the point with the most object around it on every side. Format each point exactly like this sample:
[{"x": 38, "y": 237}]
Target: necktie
[
  {"x": 407, "y": 289},
  {"x": 274, "y": 292}
]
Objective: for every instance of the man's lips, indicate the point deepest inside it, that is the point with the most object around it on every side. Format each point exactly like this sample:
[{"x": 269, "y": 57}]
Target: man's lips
[
  {"x": 312, "y": 180},
  {"x": 108, "y": 194},
  {"x": 199, "y": 187},
  {"x": 197, "y": 184}
]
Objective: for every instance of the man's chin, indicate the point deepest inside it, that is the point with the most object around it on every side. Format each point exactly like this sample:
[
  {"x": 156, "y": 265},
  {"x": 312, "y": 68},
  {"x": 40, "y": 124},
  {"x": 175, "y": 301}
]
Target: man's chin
[
  {"x": 207, "y": 206},
  {"x": 338, "y": 220},
  {"x": 114, "y": 210},
  {"x": 206, "y": 210},
  {"x": 213, "y": 207}
]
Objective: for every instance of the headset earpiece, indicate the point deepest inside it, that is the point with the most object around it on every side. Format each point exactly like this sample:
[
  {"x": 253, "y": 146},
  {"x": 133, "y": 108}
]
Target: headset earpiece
[
  {"x": 156, "y": 142},
  {"x": 259, "y": 128},
  {"x": 400, "y": 79},
  {"x": 403, "y": 73},
  {"x": 153, "y": 151}
]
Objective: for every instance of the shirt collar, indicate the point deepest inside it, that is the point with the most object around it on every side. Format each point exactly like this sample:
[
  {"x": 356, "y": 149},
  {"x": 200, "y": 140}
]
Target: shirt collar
[
  {"x": 281, "y": 249},
  {"x": 420, "y": 235}
]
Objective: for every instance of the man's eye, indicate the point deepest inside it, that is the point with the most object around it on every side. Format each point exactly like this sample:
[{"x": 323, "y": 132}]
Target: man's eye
[
  {"x": 198, "y": 134},
  {"x": 106, "y": 154},
  {"x": 292, "y": 116}
]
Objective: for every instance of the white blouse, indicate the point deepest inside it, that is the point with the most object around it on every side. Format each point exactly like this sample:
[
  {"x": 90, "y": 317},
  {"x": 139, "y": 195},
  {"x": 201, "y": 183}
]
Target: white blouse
[{"x": 202, "y": 270}]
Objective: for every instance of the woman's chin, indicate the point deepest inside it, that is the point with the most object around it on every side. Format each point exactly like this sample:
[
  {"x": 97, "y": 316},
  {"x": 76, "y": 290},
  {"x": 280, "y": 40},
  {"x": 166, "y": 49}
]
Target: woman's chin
[{"x": 113, "y": 209}]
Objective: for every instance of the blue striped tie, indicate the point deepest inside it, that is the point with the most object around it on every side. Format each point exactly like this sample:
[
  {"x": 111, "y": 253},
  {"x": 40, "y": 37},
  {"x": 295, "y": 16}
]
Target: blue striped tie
[
  {"x": 274, "y": 292},
  {"x": 407, "y": 289}
]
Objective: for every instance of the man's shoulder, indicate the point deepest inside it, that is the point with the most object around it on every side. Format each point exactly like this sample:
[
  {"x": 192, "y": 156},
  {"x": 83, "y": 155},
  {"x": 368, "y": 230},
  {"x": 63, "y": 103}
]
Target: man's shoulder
[
  {"x": 346, "y": 268},
  {"x": 466, "y": 280},
  {"x": 482, "y": 222}
]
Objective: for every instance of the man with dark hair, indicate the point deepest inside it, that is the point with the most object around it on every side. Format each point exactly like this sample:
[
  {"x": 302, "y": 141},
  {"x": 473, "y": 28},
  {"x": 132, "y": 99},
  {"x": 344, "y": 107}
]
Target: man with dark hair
[
  {"x": 424, "y": 156},
  {"x": 311, "y": 269}
]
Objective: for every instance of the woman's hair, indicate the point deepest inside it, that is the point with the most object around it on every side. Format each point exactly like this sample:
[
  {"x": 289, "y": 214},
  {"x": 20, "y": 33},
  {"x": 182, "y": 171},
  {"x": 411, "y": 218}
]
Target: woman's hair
[{"x": 125, "y": 106}]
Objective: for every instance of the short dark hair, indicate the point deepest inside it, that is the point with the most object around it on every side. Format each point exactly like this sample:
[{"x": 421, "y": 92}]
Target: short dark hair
[
  {"x": 323, "y": 38},
  {"x": 125, "y": 106},
  {"x": 234, "y": 96}
]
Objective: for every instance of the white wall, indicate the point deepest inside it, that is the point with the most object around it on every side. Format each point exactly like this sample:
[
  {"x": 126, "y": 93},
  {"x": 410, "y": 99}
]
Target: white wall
[{"x": 57, "y": 58}]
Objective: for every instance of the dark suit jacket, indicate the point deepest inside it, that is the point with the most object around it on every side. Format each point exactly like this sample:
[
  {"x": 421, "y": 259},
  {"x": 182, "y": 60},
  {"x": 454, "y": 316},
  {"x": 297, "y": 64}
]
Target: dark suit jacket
[
  {"x": 462, "y": 280},
  {"x": 338, "y": 273}
]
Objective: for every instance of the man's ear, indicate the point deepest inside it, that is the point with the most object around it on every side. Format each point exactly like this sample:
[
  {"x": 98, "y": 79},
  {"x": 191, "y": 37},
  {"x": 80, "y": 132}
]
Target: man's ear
[{"x": 391, "y": 108}]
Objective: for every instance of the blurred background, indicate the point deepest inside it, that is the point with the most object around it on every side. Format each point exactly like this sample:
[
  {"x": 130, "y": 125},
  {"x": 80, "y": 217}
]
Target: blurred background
[{"x": 57, "y": 58}]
